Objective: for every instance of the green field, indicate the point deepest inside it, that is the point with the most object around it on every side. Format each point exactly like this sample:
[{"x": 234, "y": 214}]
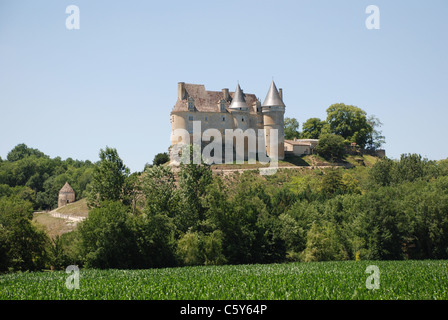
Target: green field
[{"x": 320, "y": 280}]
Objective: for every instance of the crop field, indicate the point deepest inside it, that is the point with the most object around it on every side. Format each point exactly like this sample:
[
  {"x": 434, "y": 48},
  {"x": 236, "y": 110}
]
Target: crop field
[{"x": 299, "y": 281}]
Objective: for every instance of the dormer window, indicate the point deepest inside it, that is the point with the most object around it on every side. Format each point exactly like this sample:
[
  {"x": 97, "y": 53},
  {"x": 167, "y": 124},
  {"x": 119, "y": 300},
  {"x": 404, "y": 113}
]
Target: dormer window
[
  {"x": 190, "y": 104},
  {"x": 222, "y": 105}
]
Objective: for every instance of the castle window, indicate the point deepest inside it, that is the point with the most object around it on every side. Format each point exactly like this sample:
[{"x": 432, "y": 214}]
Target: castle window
[
  {"x": 190, "y": 104},
  {"x": 190, "y": 118},
  {"x": 206, "y": 119},
  {"x": 242, "y": 120},
  {"x": 222, "y": 105},
  {"x": 223, "y": 118}
]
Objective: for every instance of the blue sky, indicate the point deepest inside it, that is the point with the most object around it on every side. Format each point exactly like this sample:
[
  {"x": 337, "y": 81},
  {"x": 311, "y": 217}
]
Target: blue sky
[{"x": 114, "y": 81}]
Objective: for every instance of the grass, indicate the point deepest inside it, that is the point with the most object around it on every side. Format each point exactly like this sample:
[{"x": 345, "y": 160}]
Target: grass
[
  {"x": 346, "y": 280},
  {"x": 58, "y": 225},
  {"x": 78, "y": 208}
]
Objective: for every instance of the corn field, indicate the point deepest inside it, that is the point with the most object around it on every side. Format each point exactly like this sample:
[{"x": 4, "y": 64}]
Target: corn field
[{"x": 298, "y": 281}]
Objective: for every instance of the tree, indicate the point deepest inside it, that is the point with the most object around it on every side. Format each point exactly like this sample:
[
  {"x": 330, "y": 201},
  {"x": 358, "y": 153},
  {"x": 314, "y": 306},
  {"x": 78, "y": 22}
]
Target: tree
[
  {"x": 331, "y": 147},
  {"x": 323, "y": 244},
  {"x": 193, "y": 182},
  {"x": 22, "y": 246},
  {"x": 332, "y": 182},
  {"x": 350, "y": 122},
  {"x": 159, "y": 188},
  {"x": 107, "y": 237},
  {"x": 109, "y": 179},
  {"x": 291, "y": 128},
  {"x": 155, "y": 240},
  {"x": 382, "y": 224},
  {"x": 160, "y": 158},
  {"x": 189, "y": 249},
  {"x": 312, "y": 128},
  {"x": 410, "y": 168},
  {"x": 381, "y": 172},
  {"x": 22, "y": 151},
  {"x": 375, "y": 139}
]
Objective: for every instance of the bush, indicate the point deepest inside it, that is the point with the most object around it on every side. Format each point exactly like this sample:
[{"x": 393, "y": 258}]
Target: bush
[
  {"x": 331, "y": 147},
  {"x": 160, "y": 158}
]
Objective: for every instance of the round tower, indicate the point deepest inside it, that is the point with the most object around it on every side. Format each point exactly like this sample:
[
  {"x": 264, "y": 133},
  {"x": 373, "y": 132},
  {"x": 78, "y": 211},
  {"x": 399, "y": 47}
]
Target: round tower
[
  {"x": 240, "y": 114},
  {"x": 273, "y": 110},
  {"x": 66, "y": 195}
]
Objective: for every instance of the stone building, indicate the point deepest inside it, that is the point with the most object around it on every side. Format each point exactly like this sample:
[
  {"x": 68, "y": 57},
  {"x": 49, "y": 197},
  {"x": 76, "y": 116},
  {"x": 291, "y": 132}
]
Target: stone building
[
  {"x": 223, "y": 110},
  {"x": 299, "y": 147},
  {"x": 66, "y": 195}
]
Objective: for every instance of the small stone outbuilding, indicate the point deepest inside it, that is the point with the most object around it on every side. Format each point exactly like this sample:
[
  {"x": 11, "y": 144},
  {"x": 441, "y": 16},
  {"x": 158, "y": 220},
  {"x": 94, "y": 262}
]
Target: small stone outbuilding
[{"x": 66, "y": 195}]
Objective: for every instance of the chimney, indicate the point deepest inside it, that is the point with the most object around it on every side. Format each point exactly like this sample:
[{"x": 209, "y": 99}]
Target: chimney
[
  {"x": 280, "y": 92},
  {"x": 225, "y": 93},
  {"x": 181, "y": 90}
]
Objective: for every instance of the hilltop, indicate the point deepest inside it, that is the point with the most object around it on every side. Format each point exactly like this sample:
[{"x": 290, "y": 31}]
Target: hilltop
[{"x": 62, "y": 220}]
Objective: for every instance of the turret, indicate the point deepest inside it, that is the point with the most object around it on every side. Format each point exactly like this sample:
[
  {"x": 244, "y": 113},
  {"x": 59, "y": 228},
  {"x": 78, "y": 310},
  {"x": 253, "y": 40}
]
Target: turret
[
  {"x": 240, "y": 114},
  {"x": 273, "y": 110}
]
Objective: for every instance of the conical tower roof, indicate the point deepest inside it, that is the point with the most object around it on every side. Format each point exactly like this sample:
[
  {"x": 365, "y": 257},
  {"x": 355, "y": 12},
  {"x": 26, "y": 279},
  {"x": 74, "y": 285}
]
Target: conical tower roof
[
  {"x": 238, "y": 101},
  {"x": 66, "y": 189},
  {"x": 273, "y": 97}
]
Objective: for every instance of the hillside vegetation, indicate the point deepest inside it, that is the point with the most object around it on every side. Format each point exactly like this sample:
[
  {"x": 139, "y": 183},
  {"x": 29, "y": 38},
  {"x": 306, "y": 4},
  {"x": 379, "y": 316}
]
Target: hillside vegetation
[{"x": 367, "y": 209}]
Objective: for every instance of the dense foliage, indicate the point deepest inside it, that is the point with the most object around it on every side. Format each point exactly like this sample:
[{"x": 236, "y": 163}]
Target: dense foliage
[
  {"x": 395, "y": 209},
  {"x": 347, "y": 121},
  {"x": 33, "y": 176}
]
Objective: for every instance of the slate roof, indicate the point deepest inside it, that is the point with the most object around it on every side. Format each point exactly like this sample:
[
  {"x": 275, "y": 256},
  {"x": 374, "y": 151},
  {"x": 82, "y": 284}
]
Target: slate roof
[
  {"x": 273, "y": 97},
  {"x": 207, "y": 101}
]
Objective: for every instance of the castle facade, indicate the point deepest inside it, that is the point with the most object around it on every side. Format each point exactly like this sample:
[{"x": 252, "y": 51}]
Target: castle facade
[{"x": 223, "y": 110}]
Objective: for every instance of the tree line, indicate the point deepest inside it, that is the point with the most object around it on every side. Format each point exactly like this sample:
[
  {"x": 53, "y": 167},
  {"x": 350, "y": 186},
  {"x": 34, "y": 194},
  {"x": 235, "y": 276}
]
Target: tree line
[
  {"x": 397, "y": 209},
  {"x": 344, "y": 125}
]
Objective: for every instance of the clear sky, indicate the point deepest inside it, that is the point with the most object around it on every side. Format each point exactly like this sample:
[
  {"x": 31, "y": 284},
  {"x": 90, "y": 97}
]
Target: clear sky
[{"x": 114, "y": 81}]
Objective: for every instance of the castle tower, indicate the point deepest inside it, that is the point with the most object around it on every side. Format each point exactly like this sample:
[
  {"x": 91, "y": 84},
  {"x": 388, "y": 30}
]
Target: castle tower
[
  {"x": 273, "y": 110},
  {"x": 239, "y": 109},
  {"x": 240, "y": 112},
  {"x": 66, "y": 195}
]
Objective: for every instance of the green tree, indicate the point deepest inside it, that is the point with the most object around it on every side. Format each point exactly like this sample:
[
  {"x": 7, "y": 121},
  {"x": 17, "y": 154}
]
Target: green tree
[
  {"x": 410, "y": 168},
  {"x": 159, "y": 188},
  {"x": 291, "y": 128},
  {"x": 155, "y": 240},
  {"x": 189, "y": 249},
  {"x": 193, "y": 182},
  {"x": 331, "y": 147},
  {"x": 350, "y": 122},
  {"x": 160, "y": 158},
  {"x": 375, "y": 138},
  {"x": 109, "y": 179},
  {"x": 332, "y": 183},
  {"x": 312, "y": 128},
  {"x": 324, "y": 244},
  {"x": 381, "y": 172},
  {"x": 382, "y": 224},
  {"x": 22, "y": 151},
  {"x": 107, "y": 237},
  {"x": 22, "y": 246}
]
